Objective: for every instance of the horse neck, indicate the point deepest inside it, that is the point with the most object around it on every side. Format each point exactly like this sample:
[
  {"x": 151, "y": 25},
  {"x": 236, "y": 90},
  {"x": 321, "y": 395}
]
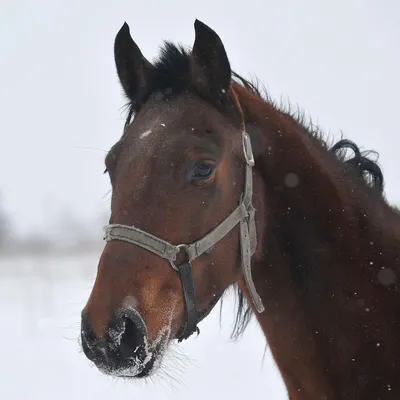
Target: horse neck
[{"x": 325, "y": 245}]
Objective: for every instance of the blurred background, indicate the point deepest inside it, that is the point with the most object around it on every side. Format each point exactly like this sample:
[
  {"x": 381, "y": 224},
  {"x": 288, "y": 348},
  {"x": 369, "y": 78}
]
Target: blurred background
[{"x": 61, "y": 110}]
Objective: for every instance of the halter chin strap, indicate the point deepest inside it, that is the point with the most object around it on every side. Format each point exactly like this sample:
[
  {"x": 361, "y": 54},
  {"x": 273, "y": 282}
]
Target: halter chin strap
[{"x": 242, "y": 215}]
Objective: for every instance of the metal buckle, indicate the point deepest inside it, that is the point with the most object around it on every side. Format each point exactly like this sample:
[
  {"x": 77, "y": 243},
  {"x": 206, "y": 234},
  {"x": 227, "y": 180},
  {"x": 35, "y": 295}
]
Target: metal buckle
[{"x": 247, "y": 149}]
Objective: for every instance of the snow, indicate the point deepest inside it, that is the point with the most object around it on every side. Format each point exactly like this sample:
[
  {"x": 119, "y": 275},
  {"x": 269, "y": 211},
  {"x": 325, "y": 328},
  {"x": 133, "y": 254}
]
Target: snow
[
  {"x": 145, "y": 134},
  {"x": 40, "y": 304},
  {"x": 292, "y": 180},
  {"x": 387, "y": 276}
]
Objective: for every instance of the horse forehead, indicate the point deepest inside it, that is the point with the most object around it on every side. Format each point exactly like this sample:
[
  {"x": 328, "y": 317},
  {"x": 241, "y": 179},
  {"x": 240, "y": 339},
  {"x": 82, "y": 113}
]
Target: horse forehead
[
  {"x": 181, "y": 112},
  {"x": 160, "y": 127},
  {"x": 157, "y": 135},
  {"x": 155, "y": 126},
  {"x": 145, "y": 137}
]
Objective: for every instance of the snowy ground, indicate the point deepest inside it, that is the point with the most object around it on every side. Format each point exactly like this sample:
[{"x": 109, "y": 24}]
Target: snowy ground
[{"x": 41, "y": 357}]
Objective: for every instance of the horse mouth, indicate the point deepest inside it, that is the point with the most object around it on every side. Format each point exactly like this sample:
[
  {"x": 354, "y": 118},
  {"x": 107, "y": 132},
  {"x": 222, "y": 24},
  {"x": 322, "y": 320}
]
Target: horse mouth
[
  {"x": 148, "y": 368},
  {"x": 131, "y": 368}
]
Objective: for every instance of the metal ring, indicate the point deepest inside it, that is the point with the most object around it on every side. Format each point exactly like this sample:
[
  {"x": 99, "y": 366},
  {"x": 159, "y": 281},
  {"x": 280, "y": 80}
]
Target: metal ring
[
  {"x": 173, "y": 265},
  {"x": 179, "y": 247}
]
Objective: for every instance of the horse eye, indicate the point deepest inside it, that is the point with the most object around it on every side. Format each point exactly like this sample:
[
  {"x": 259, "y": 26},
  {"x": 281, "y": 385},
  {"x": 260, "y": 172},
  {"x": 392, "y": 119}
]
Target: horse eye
[{"x": 202, "y": 172}]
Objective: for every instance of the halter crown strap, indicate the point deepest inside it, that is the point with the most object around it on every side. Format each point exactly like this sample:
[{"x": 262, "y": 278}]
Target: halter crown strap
[{"x": 242, "y": 215}]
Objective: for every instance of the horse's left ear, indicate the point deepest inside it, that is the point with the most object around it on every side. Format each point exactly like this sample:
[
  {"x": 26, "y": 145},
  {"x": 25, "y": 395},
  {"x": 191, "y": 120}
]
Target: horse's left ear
[{"x": 211, "y": 71}]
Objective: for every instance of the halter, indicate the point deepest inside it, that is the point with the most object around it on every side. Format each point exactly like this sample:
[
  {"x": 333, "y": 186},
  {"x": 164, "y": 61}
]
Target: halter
[{"x": 243, "y": 215}]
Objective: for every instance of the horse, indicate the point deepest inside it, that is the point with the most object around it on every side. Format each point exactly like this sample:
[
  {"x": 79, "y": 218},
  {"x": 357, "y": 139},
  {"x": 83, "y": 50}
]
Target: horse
[{"x": 216, "y": 186}]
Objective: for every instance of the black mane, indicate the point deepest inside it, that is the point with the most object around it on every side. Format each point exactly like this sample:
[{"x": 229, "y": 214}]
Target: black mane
[
  {"x": 365, "y": 168},
  {"x": 171, "y": 75}
]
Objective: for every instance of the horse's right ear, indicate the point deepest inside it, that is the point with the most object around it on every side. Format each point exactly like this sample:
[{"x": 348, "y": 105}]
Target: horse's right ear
[{"x": 132, "y": 68}]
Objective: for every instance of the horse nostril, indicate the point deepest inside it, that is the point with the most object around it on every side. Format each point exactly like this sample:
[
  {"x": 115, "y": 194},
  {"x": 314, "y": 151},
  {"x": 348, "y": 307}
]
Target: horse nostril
[
  {"x": 127, "y": 336},
  {"x": 132, "y": 339}
]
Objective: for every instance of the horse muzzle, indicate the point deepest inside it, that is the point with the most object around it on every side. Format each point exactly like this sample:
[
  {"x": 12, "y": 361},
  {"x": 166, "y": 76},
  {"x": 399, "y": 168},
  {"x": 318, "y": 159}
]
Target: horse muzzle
[{"x": 124, "y": 351}]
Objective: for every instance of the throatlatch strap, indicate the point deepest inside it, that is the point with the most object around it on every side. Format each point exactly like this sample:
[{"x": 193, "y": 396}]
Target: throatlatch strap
[
  {"x": 245, "y": 247},
  {"x": 189, "y": 299}
]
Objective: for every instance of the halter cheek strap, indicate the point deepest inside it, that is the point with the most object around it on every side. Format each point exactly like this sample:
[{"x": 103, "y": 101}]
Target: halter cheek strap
[{"x": 242, "y": 215}]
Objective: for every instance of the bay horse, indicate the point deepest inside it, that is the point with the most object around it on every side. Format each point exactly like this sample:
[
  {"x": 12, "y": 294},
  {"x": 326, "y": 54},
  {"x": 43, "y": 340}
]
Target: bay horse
[{"x": 213, "y": 186}]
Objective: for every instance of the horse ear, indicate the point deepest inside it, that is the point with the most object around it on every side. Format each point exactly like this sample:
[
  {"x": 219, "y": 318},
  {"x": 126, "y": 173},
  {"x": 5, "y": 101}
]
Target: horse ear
[
  {"x": 132, "y": 68},
  {"x": 211, "y": 71}
]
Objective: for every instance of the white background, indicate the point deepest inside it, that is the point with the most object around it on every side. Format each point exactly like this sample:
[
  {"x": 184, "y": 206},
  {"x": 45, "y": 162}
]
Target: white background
[{"x": 59, "y": 94}]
